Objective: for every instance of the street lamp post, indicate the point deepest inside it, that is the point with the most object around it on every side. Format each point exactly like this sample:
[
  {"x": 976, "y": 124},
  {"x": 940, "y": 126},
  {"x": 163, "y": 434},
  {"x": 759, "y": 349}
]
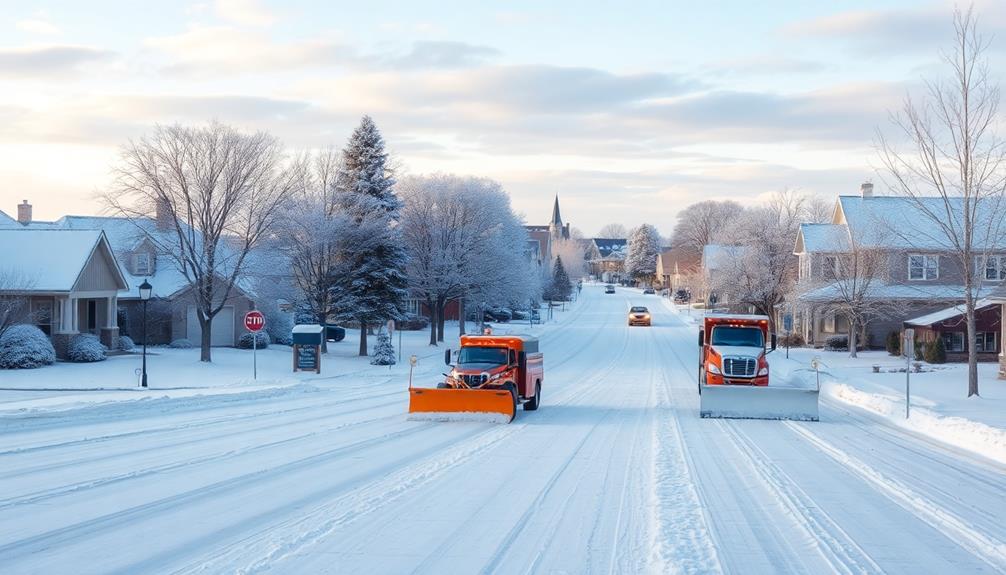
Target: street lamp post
[{"x": 145, "y": 289}]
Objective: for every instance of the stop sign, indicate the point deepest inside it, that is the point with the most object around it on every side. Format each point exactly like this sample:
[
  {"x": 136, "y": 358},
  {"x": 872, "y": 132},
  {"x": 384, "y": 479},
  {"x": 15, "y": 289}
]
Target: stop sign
[{"x": 254, "y": 321}]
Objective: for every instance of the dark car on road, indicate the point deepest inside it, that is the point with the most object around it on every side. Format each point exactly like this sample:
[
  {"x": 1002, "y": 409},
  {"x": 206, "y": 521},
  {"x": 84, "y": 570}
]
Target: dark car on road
[
  {"x": 649, "y": 291},
  {"x": 609, "y": 289}
]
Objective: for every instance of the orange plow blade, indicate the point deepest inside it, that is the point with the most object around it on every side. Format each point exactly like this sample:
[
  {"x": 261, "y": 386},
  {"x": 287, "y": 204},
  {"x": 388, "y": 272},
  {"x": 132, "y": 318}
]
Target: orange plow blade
[{"x": 492, "y": 405}]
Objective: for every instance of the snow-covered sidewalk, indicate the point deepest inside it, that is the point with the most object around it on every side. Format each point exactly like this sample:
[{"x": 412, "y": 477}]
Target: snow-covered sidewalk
[{"x": 940, "y": 408}]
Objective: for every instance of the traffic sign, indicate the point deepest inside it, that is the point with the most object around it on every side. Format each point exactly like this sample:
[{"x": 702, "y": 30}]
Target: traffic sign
[{"x": 254, "y": 321}]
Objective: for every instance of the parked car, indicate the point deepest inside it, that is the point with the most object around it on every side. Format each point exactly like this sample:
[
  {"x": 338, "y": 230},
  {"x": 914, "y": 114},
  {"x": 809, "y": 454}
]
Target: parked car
[
  {"x": 682, "y": 296},
  {"x": 499, "y": 315},
  {"x": 609, "y": 289},
  {"x": 649, "y": 291},
  {"x": 517, "y": 314},
  {"x": 335, "y": 332}
]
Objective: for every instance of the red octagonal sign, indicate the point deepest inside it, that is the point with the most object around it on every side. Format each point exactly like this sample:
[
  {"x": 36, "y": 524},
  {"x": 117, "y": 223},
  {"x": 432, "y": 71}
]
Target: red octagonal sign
[{"x": 254, "y": 321}]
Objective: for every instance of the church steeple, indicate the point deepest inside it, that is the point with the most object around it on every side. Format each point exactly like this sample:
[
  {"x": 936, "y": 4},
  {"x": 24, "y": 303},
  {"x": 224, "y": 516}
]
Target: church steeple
[{"x": 556, "y": 218}]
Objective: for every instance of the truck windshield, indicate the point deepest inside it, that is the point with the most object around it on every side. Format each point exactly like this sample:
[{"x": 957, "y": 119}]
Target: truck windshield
[
  {"x": 490, "y": 355},
  {"x": 740, "y": 336}
]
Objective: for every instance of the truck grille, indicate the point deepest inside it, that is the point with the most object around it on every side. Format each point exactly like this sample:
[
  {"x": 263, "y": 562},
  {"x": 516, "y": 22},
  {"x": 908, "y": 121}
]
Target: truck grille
[
  {"x": 739, "y": 366},
  {"x": 474, "y": 380}
]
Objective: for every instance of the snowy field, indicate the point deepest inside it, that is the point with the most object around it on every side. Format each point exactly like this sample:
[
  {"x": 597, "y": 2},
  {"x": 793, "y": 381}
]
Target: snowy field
[{"x": 616, "y": 473}]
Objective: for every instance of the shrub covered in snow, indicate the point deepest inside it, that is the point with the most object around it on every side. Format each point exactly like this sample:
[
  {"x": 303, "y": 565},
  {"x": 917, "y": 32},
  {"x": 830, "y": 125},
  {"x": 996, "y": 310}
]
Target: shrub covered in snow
[
  {"x": 384, "y": 352},
  {"x": 25, "y": 347},
  {"x": 181, "y": 344},
  {"x": 836, "y": 343},
  {"x": 85, "y": 348},
  {"x": 791, "y": 340},
  {"x": 261, "y": 340},
  {"x": 126, "y": 343}
]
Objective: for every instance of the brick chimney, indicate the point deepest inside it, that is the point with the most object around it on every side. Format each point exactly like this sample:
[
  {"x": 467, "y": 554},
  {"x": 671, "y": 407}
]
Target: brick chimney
[
  {"x": 24, "y": 212},
  {"x": 163, "y": 216},
  {"x": 866, "y": 190}
]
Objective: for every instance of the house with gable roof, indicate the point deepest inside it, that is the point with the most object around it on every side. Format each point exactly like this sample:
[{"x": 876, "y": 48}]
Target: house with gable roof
[
  {"x": 69, "y": 280},
  {"x": 141, "y": 251},
  {"x": 920, "y": 274},
  {"x": 606, "y": 258}
]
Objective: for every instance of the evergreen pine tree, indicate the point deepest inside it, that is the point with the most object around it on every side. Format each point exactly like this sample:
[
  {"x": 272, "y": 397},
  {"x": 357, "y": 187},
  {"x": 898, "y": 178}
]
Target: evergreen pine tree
[
  {"x": 894, "y": 343},
  {"x": 374, "y": 289},
  {"x": 644, "y": 248},
  {"x": 384, "y": 351},
  {"x": 561, "y": 287}
]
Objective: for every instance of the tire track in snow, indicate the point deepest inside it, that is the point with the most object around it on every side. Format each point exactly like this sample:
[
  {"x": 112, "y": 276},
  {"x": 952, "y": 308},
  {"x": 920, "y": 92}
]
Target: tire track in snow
[
  {"x": 978, "y": 543},
  {"x": 154, "y": 431},
  {"x": 215, "y": 457},
  {"x": 110, "y": 521},
  {"x": 683, "y": 541},
  {"x": 835, "y": 545}
]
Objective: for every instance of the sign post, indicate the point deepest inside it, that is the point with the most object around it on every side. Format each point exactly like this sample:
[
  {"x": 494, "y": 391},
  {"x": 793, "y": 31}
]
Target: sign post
[
  {"x": 254, "y": 322},
  {"x": 909, "y": 348},
  {"x": 787, "y": 324}
]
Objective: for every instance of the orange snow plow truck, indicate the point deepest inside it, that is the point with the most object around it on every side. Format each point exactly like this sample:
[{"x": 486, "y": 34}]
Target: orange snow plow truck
[
  {"x": 734, "y": 378},
  {"x": 493, "y": 374}
]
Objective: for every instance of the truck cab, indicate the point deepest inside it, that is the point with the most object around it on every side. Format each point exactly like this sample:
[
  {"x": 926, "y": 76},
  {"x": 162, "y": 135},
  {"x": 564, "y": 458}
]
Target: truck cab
[
  {"x": 510, "y": 362},
  {"x": 733, "y": 350}
]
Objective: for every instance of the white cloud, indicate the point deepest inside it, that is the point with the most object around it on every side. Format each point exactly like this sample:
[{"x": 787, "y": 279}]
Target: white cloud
[
  {"x": 38, "y": 26},
  {"x": 245, "y": 12}
]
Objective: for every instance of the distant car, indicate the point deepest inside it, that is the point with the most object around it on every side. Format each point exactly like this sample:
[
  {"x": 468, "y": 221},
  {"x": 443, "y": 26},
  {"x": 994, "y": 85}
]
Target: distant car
[
  {"x": 639, "y": 315},
  {"x": 609, "y": 289},
  {"x": 498, "y": 315},
  {"x": 335, "y": 332},
  {"x": 682, "y": 296},
  {"x": 649, "y": 290}
]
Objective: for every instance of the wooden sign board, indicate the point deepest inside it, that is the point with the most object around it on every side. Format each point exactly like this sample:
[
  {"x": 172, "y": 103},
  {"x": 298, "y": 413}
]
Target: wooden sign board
[{"x": 307, "y": 358}]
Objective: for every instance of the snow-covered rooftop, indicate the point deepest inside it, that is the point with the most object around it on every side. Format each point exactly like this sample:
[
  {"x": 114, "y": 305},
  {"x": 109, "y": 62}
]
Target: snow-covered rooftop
[
  {"x": 900, "y": 222},
  {"x": 823, "y": 238},
  {"x": 940, "y": 292},
  {"x": 948, "y": 313},
  {"x": 49, "y": 260}
]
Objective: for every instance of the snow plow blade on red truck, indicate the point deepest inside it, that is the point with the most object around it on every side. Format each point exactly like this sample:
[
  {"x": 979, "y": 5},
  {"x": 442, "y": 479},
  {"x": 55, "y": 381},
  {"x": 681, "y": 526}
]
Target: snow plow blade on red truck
[
  {"x": 493, "y": 374},
  {"x": 734, "y": 379}
]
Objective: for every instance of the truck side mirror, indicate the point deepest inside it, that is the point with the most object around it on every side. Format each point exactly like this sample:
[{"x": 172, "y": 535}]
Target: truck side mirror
[
  {"x": 774, "y": 341},
  {"x": 702, "y": 338},
  {"x": 447, "y": 356}
]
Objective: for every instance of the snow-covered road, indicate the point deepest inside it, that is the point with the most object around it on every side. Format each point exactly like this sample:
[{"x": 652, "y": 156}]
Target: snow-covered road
[{"x": 614, "y": 474}]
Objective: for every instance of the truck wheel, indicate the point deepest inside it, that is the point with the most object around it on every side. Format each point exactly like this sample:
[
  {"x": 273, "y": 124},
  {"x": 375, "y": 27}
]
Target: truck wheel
[
  {"x": 509, "y": 386},
  {"x": 532, "y": 404}
]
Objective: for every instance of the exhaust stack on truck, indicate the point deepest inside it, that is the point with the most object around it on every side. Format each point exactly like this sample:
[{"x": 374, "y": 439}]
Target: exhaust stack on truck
[{"x": 734, "y": 375}]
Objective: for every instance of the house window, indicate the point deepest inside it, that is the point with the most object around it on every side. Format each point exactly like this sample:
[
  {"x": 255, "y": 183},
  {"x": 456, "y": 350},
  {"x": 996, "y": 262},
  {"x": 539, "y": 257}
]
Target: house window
[
  {"x": 141, "y": 264},
  {"x": 953, "y": 340},
  {"x": 830, "y": 267},
  {"x": 986, "y": 341},
  {"x": 829, "y": 323},
  {"x": 992, "y": 268},
  {"x": 41, "y": 312},
  {"x": 923, "y": 267}
]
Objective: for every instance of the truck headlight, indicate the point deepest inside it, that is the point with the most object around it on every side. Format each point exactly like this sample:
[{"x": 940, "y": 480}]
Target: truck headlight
[
  {"x": 763, "y": 371},
  {"x": 711, "y": 368}
]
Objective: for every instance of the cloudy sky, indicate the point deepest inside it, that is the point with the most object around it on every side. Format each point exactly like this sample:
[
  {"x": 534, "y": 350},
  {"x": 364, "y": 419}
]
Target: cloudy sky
[{"x": 629, "y": 113}]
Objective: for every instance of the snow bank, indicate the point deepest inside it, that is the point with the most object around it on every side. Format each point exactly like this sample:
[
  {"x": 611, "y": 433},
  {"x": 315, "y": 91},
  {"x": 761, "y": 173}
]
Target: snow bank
[
  {"x": 937, "y": 411},
  {"x": 974, "y": 436}
]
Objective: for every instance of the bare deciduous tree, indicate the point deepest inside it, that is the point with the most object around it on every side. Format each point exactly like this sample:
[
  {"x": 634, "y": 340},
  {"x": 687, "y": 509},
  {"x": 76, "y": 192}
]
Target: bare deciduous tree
[
  {"x": 614, "y": 232},
  {"x": 950, "y": 166},
  {"x": 220, "y": 192},
  {"x": 14, "y": 308},
  {"x": 699, "y": 224}
]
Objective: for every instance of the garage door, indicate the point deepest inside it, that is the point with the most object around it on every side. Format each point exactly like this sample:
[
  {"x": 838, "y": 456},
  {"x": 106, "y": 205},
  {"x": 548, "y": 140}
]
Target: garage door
[{"x": 223, "y": 327}]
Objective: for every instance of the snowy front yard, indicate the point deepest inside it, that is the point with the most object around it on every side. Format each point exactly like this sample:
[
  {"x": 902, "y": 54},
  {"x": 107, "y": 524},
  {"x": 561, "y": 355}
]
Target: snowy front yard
[
  {"x": 178, "y": 373},
  {"x": 940, "y": 407}
]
